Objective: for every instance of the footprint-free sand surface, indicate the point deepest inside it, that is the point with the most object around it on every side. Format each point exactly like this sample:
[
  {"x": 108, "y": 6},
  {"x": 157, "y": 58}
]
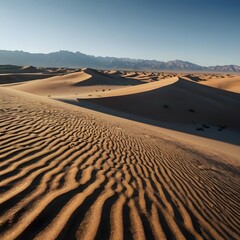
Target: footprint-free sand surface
[{"x": 67, "y": 172}]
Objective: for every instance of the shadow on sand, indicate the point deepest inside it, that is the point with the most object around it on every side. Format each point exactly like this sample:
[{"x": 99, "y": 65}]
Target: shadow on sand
[{"x": 226, "y": 135}]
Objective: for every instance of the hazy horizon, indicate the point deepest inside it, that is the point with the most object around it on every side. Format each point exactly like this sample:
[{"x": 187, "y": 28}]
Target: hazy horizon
[{"x": 204, "y": 32}]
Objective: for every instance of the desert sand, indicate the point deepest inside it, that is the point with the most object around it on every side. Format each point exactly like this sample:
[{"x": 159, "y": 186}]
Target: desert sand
[{"x": 122, "y": 155}]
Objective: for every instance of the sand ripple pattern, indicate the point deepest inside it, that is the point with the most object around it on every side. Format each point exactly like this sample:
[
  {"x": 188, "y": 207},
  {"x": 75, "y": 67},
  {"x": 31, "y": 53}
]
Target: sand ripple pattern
[{"x": 69, "y": 175}]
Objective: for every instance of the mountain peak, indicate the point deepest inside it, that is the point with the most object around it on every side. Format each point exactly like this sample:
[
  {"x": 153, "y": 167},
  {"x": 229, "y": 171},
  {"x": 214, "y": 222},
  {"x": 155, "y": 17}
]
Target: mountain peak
[{"x": 65, "y": 58}]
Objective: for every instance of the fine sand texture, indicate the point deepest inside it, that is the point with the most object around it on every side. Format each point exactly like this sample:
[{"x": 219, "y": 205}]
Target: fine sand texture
[{"x": 69, "y": 173}]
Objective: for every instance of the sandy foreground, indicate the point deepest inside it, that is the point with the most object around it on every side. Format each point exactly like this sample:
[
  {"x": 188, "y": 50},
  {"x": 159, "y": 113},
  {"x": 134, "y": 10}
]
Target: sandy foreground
[{"x": 67, "y": 172}]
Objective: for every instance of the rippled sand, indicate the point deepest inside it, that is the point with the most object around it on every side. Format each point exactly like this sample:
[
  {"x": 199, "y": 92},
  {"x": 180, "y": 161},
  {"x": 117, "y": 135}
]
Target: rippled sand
[{"x": 68, "y": 173}]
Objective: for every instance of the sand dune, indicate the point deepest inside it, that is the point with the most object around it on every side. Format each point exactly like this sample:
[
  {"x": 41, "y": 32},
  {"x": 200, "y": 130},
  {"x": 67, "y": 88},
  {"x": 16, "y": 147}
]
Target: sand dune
[
  {"x": 130, "y": 90},
  {"x": 101, "y": 78},
  {"x": 19, "y": 78},
  {"x": 88, "y": 82},
  {"x": 176, "y": 101},
  {"x": 67, "y": 173},
  {"x": 230, "y": 84},
  {"x": 10, "y": 68},
  {"x": 148, "y": 76},
  {"x": 141, "y": 76},
  {"x": 14, "y": 75},
  {"x": 29, "y": 69}
]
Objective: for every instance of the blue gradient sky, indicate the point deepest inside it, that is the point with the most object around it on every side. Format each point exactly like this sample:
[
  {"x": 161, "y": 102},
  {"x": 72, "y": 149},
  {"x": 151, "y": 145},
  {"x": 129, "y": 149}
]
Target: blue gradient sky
[{"x": 205, "y": 32}]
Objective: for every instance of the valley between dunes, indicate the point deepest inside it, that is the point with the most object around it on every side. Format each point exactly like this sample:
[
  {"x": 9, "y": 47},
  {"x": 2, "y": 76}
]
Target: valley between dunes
[{"x": 88, "y": 154}]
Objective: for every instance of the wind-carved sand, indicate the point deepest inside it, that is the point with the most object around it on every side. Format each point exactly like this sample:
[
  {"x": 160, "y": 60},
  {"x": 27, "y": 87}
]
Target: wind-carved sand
[{"x": 71, "y": 173}]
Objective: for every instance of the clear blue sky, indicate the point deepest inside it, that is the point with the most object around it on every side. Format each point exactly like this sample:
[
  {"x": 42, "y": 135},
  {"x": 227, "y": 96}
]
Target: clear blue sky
[{"x": 205, "y": 32}]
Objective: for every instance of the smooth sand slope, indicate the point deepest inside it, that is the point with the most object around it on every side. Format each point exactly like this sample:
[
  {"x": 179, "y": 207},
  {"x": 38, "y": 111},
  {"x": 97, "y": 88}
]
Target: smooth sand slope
[
  {"x": 12, "y": 75},
  {"x": 69, "y": 173},
  {"x": 230, "y": 84},
  {"x": 88, "y": 81},
  {"x": 176, "y": 101}
]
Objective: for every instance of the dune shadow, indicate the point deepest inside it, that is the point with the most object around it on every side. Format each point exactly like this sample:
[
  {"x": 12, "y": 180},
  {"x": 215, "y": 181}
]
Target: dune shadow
[{"x": 228, "y": 136}]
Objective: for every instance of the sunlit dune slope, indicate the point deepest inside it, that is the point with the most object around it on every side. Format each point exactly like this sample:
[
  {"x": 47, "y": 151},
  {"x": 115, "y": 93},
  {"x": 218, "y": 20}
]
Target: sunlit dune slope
[
  {"x": 14, "y": 75},
  {"x": 230, "y": 84},
  {"x": 87, "y": 80}
]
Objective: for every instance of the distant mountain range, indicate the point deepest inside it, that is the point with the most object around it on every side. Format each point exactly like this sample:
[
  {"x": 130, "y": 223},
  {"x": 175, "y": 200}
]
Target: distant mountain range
[{"x": 77, "y": 59}]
